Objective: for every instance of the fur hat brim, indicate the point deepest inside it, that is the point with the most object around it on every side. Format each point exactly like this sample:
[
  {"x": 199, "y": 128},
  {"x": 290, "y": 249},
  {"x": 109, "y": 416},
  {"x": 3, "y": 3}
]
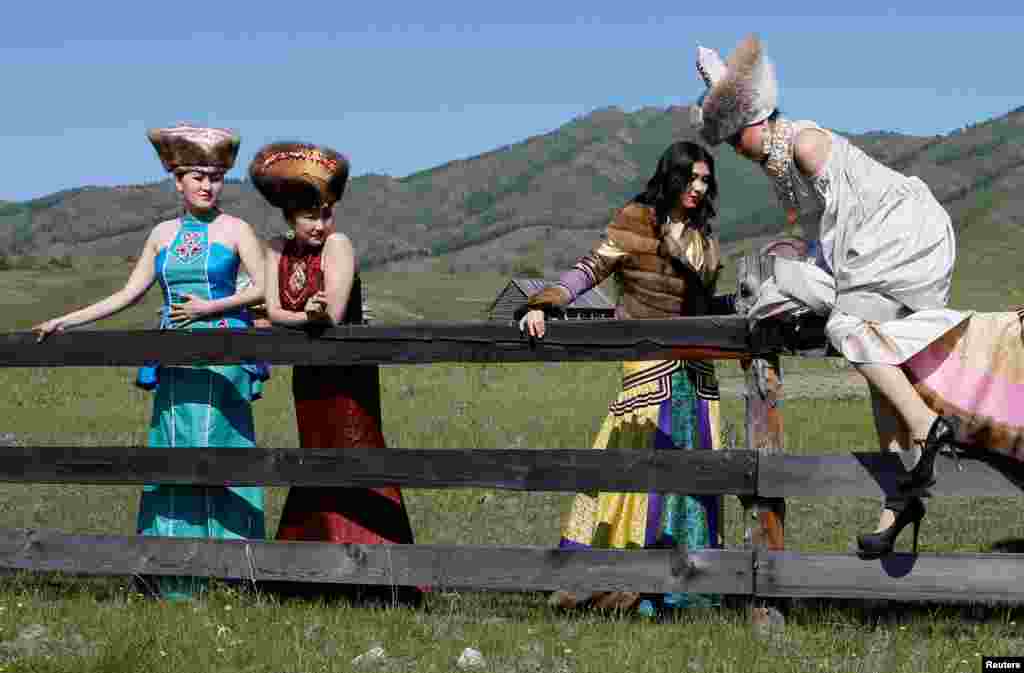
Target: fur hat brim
[{"x": 186, "y": 147}]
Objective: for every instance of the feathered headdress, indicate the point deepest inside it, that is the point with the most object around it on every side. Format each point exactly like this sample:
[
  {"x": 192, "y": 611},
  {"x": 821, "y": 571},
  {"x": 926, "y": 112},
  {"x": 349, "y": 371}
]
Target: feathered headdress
[{"x": 740, "y": 92}]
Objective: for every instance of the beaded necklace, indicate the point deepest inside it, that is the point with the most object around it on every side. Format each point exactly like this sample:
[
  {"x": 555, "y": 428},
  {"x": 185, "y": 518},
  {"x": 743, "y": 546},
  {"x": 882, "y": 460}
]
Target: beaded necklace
[{"x": 779, "y": 164}]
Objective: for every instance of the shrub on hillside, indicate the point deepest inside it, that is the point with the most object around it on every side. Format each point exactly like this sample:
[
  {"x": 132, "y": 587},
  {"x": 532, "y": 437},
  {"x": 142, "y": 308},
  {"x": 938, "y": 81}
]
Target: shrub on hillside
[
  {"x": 528, "y": 270},
  {"x": 62, "y": 262}
]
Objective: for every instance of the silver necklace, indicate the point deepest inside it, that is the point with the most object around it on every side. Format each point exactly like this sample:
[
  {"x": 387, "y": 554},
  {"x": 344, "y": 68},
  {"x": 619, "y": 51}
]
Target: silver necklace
[{"x": 779, "y": 162}]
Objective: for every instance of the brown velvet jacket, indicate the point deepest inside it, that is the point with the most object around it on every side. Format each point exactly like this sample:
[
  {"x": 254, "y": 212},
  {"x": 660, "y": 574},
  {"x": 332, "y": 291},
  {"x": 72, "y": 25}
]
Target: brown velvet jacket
[{"x": 654, "y": 283}]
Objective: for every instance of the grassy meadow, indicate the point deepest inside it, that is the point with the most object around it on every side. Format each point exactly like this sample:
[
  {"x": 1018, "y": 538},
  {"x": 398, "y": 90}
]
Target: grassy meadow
[{"x": 50, "y": 623}]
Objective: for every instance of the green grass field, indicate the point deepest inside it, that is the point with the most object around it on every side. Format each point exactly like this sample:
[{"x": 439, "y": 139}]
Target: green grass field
[{"x": 52, "y": 623}]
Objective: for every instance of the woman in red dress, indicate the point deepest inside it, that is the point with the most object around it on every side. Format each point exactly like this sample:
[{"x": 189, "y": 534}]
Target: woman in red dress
[{"x": 314, "y": 270}]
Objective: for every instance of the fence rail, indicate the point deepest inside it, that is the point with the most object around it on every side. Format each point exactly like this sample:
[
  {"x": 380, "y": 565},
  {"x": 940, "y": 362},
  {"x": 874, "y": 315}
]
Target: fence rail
[
  {"x": 762, "y": 477},
  {"x": 714, "y": 337},
  {"x": 742, "y": 473},
  {"x": 437, "y": 566},
  {"x": 704, "y": 473},
  {"x": 948, "y": 578}
]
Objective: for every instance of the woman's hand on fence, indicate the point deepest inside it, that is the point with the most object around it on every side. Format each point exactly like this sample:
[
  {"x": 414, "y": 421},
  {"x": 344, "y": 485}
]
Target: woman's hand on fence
[
  {"x": 45, "y": 329},
  {"x": 316, "y": 308},
  {"x": 259, "y": 314},
  {"x": 192, "y": 309},
  {"x": 533, "y": 324}
]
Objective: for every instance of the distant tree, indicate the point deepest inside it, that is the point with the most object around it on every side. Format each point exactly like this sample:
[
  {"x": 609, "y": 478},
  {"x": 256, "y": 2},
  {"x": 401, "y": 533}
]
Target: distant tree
[{"x": 62, "y": 262}]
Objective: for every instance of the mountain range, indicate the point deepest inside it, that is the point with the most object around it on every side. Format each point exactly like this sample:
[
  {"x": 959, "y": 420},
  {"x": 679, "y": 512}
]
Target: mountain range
[{"x": 545, "y": 199}]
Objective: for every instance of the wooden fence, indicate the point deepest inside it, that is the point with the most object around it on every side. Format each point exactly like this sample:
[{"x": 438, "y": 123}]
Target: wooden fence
[{"x": 762, "y": 477}]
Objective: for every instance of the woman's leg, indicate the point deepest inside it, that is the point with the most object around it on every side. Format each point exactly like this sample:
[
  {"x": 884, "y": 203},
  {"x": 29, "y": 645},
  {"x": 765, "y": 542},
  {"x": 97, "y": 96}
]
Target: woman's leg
[
  {"x": 892, "y": 384},
  {"x": 893, "y": 436}
]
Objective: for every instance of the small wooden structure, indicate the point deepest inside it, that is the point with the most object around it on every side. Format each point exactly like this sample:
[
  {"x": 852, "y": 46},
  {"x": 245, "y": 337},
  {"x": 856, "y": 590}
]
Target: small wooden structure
[{"x": 592, "y": 305}]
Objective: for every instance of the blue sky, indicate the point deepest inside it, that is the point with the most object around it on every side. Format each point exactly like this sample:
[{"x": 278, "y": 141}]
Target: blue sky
[{"x": 400, "y": 87}]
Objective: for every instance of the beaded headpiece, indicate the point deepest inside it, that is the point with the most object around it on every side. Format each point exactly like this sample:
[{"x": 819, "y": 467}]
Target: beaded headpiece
[
  {"x": 740, "y": 92},
  {"x": 299, "y": 176},
  {"x": 184, "y": 148}
]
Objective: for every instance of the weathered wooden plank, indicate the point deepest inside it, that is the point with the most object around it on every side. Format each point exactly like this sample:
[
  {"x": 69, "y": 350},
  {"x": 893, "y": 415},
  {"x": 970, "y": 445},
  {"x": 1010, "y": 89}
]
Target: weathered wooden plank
[
  {"x": 694, "y": 472},
  {"x": 497, "y": 568},
  {"x": 387, "y": 344},
  {"x": 765, "y": 436},
  {"x": 946, "y": 577},
  {"x": 874, "y": 474},
  {"x": 701, "y": 473}
]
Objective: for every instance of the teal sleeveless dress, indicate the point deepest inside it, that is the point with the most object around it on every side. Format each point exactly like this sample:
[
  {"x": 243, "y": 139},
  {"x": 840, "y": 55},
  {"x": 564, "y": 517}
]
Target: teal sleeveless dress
[{"x": 200, "y": 406}]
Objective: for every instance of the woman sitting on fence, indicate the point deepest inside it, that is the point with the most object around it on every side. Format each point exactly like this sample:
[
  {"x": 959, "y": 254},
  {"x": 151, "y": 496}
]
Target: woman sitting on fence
[
  {"x": 314, "y": 283},
  {"x": 663, "y": 254},
  {"x": 196, "y": 258},
  {"x": 883, "y": 253}
]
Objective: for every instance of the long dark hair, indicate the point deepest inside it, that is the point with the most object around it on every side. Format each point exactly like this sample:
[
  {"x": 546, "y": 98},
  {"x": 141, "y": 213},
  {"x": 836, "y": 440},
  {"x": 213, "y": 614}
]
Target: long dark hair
[{"x": 673, "y": 176}]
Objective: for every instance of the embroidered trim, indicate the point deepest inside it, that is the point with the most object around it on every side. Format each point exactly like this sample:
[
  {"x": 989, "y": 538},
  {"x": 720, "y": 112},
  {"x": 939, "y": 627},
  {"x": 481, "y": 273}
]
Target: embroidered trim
[
  {"x": 296, "y": 281},
  {"x": 587, "y": 266},
  {"x": 662, "y": 392},
  {"x": 302, "y": 154},
  {"x": 655, "y": 372},
  {"x": 190, "y": 247},
  {"x": 704, "y": 380}
]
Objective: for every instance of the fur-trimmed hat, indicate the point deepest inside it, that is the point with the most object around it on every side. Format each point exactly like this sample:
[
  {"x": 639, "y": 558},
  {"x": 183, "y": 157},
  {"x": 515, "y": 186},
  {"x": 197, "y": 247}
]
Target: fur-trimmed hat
[
  {"x": 741, "y": 91},
  {"x": 299, "y": 176},
  {"x": 184, "y": 148}
]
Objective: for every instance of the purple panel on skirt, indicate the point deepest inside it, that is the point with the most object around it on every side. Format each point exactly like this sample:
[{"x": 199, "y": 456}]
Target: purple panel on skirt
[
  {"x": 655, "y": 501},
  {"x": 572, "y": 544}
]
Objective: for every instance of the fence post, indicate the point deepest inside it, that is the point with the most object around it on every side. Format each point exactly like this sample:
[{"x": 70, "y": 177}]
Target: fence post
[
  {"x": 763, "y": 396},
  {"x": 764, "y": 432}
]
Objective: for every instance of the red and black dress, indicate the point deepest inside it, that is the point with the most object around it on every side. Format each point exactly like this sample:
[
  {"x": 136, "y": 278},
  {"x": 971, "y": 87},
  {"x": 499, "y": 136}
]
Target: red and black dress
[{"x": 338, "y": 407}]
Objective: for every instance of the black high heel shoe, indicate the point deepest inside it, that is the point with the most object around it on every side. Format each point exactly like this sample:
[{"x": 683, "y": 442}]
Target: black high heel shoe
[
  {"x": 943, "y": 432},
  {"x": 907, "y": 510}
]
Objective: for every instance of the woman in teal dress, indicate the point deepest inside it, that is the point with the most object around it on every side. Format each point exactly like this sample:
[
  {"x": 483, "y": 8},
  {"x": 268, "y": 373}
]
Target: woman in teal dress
[{"x": 196, "y": 260}]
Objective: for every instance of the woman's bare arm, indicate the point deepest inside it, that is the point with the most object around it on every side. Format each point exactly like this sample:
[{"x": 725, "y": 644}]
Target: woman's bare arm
[
  {"x": 139, "y": 282},
  {"x": 339, "y": 274},
  {"x": 810, "y": 151}
]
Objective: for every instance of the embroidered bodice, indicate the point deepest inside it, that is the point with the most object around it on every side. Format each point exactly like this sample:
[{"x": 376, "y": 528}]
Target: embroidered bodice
[
  {"x": 190, "y": 264},
  {"x": 300, "y": 276}
]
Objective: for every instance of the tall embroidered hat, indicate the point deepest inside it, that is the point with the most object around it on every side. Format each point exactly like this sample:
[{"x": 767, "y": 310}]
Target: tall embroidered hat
[
  {"x": 184, "y": 148},
  {"x": 299, "y": 176},
  {"x": 740, "y": 92}
]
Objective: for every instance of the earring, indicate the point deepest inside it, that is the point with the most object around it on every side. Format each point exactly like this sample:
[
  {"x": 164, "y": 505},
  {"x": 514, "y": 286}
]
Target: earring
[{"x": 290, "y": 234}]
